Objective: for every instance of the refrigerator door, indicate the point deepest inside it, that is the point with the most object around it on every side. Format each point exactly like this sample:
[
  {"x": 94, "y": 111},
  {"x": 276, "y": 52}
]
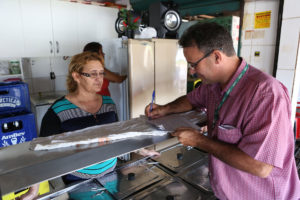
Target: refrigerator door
[
  {"x": 170, "y": 71},
  {"x": 141, "y": 75},
  {"x": 116, "y": 61}
]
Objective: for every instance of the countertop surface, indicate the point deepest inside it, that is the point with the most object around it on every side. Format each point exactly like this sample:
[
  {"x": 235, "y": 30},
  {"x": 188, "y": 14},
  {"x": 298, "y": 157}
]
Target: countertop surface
[
  {"x": 45, "y": 98},
  {"x": 22, "y": 167}
]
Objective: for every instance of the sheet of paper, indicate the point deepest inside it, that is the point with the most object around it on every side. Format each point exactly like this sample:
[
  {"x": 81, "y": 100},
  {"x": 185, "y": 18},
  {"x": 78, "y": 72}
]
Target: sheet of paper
[{"x": 172, "y": 122}]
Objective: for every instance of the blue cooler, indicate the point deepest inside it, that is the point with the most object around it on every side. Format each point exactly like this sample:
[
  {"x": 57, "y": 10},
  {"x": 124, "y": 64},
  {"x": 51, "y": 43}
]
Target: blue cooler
[
  {"x": 17, "y": 129},
  {"x": 14, "y": 98},
  {"x": 17, "y": 123}
]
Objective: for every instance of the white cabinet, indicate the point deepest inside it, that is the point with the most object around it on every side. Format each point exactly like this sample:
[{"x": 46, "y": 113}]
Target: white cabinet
[
  {"x": 106, "y": 22},
  {"x": 11, "y": 38},
  {"x": 65, "y": 34},
  {"x": 95, "y": 24},
  {"x": 88, "y": 25},
  {"x": 37, "y": 28},
  {"x": 49, "y": 27}
]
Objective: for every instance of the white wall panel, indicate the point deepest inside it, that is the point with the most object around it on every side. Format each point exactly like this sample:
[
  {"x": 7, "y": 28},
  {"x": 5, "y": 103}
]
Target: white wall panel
[
  {"x": 288, "y": 42},
  {"x": 246, "y": 53},
  {"x": 60, "y": 83},
  {"x": 40, "y": 67},
  {"x": 287, "y": 78},
  {"x": 267, "y": 36},
  {"x": 291, "y": 9},
  {"x": 265, "y": 60}
]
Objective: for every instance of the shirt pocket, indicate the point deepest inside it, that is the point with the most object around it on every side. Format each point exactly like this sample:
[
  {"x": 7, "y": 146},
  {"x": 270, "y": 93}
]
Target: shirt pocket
[{"x": 229, "y": 134}]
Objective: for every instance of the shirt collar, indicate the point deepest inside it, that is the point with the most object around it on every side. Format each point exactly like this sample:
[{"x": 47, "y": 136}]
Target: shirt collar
[{"x": 236, "y": 74}]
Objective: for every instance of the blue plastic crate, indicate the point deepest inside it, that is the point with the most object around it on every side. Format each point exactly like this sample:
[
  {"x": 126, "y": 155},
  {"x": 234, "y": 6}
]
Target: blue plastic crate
[
  {"x": 14, "y": 98},
  {"x": 17, "y": 129}
]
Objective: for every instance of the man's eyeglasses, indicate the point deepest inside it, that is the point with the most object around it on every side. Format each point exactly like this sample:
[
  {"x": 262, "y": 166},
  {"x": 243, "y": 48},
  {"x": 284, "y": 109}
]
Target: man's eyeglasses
[
  {"x": 194, "y": 65},
  {"x": 93, "y": 74}
]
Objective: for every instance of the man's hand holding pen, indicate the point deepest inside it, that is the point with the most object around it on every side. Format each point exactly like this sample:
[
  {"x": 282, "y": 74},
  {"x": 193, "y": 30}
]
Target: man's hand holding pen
[{"x": 157, "y": 111}]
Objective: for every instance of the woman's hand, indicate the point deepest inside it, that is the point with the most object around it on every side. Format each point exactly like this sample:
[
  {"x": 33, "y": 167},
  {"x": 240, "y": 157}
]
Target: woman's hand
[
  {"x": 32, "y": 193},
  {"x": 148, "y": 152}
]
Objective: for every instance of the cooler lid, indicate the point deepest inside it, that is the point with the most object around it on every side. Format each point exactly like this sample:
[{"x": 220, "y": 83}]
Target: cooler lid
[
  {"x": 172, "y": 189},
  {"x": 180, "y": 157},
  {"x": 131, "y": 179},
  {"x": 198, "y": 175}
]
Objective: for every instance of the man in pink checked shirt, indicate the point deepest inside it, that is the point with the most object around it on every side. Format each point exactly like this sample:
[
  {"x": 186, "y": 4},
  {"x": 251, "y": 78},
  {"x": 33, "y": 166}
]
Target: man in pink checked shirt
[{"x": 250, "y": 138}]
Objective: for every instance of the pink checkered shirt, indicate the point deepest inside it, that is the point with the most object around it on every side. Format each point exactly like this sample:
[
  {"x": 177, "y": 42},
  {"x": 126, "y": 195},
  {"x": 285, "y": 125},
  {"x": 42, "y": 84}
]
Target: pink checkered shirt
[{"x": 257, "y": 118}]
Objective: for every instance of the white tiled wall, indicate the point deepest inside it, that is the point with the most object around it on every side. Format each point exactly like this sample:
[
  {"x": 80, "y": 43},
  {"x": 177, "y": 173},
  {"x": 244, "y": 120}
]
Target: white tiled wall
[
  {"x": 264, "y": 40},
  {"x": 291, "y": 9},
  {"x": 287, "y": 72},
  {"x": 286, "y": 77},
  {"x": 261, "y": 40},
  {"x": 40, "y": 67},
  {"x": 37, "y": 73},
  {"x": 288, "y": 43},
  {"x": 265, "y": 61}
]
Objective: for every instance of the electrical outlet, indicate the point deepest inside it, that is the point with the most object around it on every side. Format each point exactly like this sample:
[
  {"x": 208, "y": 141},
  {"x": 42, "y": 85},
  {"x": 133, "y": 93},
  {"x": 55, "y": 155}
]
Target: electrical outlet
[{"x": 52, "y": 75}]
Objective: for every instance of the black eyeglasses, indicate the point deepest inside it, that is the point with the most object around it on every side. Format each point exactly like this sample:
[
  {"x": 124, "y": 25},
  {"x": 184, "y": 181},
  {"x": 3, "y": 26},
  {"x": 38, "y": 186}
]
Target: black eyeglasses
[
  {"x": 194, "y": 65},
  {"x": 93, "y": 74}
]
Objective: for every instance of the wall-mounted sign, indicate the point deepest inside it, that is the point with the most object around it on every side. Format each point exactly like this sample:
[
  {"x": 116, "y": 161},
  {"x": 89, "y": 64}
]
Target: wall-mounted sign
[
  {"x": 262, "y": 19},
  {"x": 257, "y": 53}
]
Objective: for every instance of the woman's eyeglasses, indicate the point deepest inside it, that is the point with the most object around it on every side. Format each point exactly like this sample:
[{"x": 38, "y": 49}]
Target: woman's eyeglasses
[{"x": 93, "y": 74}]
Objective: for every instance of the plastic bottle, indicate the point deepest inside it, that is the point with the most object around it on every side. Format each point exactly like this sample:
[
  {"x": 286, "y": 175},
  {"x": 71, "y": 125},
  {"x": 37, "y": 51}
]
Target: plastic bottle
[{"x": 14, "y": 67}]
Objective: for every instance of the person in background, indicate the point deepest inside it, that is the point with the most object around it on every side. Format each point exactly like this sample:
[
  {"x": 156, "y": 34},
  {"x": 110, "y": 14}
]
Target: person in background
[
  {"x": 109, "y": 76},
  {"x": 250, "y": 139}
]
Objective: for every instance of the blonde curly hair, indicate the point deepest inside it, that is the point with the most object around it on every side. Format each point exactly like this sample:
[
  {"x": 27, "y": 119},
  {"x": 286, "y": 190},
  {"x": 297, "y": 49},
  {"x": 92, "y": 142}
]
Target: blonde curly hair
[{"x": 77, "y": 64}]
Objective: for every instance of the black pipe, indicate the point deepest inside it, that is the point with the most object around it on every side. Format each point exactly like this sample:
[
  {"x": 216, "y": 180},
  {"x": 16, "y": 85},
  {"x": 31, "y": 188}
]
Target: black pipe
[{"x": 279, "y": 24}]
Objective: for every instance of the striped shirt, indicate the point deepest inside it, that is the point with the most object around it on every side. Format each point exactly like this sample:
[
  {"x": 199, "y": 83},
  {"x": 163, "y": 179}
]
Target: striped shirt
[
  {"x": 256, "y": 117},
  {"x": 64, "y": 116}
]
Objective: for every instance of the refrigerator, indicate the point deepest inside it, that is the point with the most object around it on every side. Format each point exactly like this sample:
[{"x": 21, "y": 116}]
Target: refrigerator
[{"x": 151, "y": 64}]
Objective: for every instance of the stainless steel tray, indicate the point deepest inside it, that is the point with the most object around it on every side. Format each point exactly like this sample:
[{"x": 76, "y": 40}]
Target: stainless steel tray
[
  {"x": 131, "y": 179},
  {"x": 180, "y": 157},
  {"x": 171, "y": 189},
  {"x": 198, "y": 175}
]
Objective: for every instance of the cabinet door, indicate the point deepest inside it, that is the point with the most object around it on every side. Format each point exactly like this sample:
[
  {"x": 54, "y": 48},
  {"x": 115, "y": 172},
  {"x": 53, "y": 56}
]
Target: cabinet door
[
  {"x": 65, "y": 28},
  {"x": 106, "y": 22},
  {"x": 37, "y": 29},
  {"x": 11, "y": 39},
  {"x": 88, "y": 24}
]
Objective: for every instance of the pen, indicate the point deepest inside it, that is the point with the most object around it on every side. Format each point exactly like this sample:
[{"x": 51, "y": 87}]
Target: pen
[{"x": 153, "y": 96}]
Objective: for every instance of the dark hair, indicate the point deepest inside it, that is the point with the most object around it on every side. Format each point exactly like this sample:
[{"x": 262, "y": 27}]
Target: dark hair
[
  {"x": 93, "y": 47},
  {"x": 208, "y": 37}
]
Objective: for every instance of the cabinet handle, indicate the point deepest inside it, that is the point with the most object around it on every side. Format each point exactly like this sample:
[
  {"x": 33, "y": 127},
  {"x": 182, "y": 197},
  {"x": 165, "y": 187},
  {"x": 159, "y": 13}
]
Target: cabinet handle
[
  {"x": 51, "y": 47},
  {"x": 57, "y": 47}
]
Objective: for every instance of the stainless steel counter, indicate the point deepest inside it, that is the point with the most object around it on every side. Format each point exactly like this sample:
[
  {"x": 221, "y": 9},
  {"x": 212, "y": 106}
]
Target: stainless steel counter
[
  {"x": 45, "y": 98},
  {"x": 21, "y": 167}
]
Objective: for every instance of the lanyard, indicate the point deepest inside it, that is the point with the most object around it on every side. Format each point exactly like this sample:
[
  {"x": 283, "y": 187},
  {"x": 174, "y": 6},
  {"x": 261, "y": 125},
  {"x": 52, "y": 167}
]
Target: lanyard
[{"x": 216, "y": 114}]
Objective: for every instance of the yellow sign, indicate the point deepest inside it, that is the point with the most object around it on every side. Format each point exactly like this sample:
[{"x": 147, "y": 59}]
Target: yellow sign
[{"x": 262, "y": 19}]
